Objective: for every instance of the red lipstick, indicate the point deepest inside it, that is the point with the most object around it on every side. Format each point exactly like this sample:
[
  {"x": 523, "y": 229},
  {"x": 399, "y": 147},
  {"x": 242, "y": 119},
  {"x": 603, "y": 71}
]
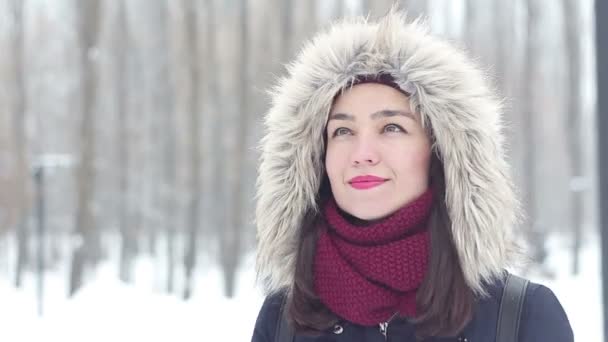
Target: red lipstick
[{"x": 366, "y": 182}]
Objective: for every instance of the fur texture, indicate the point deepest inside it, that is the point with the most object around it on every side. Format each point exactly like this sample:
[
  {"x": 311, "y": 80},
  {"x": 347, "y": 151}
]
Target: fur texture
[{"x": 453, "y": 97}]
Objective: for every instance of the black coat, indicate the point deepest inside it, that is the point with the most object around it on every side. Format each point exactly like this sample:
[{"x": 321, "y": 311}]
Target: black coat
[{"x": 543, "y": 320}]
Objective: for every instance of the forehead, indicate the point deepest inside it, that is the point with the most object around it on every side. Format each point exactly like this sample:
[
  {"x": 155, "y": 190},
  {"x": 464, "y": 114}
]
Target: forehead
[
  {"x": 363, "y": 100},
  {"x": 370, "y": 96}
]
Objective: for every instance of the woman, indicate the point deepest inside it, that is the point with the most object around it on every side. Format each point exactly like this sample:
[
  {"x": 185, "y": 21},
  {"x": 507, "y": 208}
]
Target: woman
[{"x": 385, "y": 208}]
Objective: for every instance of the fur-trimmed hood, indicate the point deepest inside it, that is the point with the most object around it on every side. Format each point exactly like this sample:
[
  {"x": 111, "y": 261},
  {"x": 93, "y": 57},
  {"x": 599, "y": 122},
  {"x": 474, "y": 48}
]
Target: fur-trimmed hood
[{"x": 451, "y": 94}]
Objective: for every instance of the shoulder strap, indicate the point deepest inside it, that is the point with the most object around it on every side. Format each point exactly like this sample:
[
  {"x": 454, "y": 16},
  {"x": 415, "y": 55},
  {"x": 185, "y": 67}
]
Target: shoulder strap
[
  {"x": 511, "y": 305},
  {"x": 283, "y": 333}
]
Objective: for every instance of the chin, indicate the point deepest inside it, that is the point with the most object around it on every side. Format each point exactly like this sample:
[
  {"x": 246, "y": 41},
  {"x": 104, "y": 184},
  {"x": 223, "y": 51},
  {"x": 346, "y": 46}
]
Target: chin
[{"x": 370, "y": 215}]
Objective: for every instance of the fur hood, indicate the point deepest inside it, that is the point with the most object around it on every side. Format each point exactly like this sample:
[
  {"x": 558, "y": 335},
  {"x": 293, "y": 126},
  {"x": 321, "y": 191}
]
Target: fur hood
[{"x": 451, "y": 94}]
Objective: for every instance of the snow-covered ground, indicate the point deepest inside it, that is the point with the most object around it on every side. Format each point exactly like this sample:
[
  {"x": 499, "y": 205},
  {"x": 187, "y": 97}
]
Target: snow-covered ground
[
  {"x": 108, "y": 310},
  {"x": 581, "y": 295}
]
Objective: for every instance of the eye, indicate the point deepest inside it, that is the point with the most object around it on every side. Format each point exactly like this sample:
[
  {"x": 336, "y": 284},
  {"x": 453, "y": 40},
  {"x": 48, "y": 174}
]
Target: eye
[
  {"x": 393, "y": 128},
  {"x": 341, "y": 131}
]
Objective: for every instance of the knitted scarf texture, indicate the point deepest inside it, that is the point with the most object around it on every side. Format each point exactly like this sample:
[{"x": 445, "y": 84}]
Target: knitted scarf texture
[{"x": 367, "y": 273}]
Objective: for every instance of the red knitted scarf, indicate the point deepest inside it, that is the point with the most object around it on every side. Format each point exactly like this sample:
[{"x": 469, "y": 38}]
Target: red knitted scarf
[{"x": 366, "y": 274}]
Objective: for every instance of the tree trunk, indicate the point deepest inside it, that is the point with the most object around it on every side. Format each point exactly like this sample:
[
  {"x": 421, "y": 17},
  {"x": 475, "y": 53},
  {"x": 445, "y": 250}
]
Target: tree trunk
[
  {"x": 169, "y": 162},
  {"x": 210, "y": 59},
  {"x": 480, "y": 24},
  {"x": 304, "y": 24},
  {"x": 19, "y": 112},
  {"x": 286, "y": 16},
  {"x": 231, "y": 237},
  {"x": 415, "y": 8},
  {"x": 531, "y": 87},
  {"x": 128, "y": 246},
  {"x": 601, "y": 54},
  {"x": 191, "y": 24},
  {"x": 376, "y": 8},
  {"x": 571, "y": 12},
  {"x": 88, "y": 250},
  {"x": 170, "y": 181},
  {"x": 503, "y": 31}
]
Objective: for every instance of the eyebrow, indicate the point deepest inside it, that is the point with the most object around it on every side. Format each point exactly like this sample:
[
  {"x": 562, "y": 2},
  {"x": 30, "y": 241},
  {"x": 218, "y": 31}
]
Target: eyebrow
[{"x": 385, "y": 113}]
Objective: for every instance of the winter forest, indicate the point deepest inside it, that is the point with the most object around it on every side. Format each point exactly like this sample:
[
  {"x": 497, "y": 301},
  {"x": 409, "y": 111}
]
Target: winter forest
[{"x": 128, "y": 153}]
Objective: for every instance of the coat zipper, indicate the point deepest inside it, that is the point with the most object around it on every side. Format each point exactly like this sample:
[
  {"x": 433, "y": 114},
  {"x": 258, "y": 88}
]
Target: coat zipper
[
  {"x": 383, "y": 329},
  {"x": 384, "y": 326}
]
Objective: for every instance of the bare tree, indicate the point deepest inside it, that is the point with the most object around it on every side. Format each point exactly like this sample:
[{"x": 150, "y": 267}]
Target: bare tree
[
  {"x": 507, "y": 62},
  {"x": 338, "y": 9},
  {"x": 415, "y": 8},
  {"x": 472, "y": 19},
  {"x": 377, "y": 8},
  {"x": 87, "y": 249},
  {"x": 180, "y": 75},
  {"x": 210, "y": 63},
  {"x": 169, "y": 184},
  {"x": 191, "y": 24},
  {"x": 481, "y": 40},
  {"x": 162, "y": 126},
  {"x": 18, "y": 120},
  {"x": 286, "y": 17},
  {"x": 529, "y": 94},
  {"x": 122, "y": 37},
  {"x": 231, "y": 236},
  {"x": 508, "y": 71},
  {"x": 169, "y": 160},
  {"x": 305, "y": 22},
  {"x": 572, "y": 20},
  {"x": 503, "y": 25}
]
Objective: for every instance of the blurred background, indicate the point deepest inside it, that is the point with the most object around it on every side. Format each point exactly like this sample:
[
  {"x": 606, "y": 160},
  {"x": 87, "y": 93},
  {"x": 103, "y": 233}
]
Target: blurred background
[{"x": 128, "y": 135}]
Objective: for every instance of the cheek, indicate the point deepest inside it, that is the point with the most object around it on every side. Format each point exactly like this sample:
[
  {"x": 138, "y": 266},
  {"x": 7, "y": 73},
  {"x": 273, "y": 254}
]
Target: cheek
[
  {"x": 423, "y": 158},
  {"x": 334, "y": 162},
  {"x": 415, "y": 162}
]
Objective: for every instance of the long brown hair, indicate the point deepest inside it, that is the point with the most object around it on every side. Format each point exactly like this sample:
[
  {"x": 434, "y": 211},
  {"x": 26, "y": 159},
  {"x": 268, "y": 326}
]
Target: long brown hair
[{"x": 445, "y": 302}]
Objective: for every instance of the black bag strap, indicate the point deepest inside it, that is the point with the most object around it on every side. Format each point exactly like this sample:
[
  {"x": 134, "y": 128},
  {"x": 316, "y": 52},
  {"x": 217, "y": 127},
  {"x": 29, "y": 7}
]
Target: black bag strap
[
  {"x": 511, "y": 305},
  {"x": 283, "y": 332}
]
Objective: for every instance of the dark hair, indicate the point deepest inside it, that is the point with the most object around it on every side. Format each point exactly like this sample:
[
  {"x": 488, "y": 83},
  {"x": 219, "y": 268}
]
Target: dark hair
[
  {"x": 444, "y": 299},
  {"x": 445, "y": 302}
]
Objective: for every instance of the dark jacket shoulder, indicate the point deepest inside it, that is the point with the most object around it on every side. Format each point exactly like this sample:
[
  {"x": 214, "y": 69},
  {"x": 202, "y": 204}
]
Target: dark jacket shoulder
[
  {"x": 543, "y": 317},
  {"x": 266, "y": 323}
]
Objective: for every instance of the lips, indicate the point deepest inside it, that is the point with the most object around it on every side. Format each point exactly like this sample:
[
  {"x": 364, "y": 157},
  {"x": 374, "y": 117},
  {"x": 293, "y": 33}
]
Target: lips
[{"x": 366, "y": 182}]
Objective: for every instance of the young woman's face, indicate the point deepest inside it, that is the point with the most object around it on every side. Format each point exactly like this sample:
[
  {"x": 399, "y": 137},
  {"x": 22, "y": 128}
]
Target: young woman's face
[{"x": 378, "y": 153}]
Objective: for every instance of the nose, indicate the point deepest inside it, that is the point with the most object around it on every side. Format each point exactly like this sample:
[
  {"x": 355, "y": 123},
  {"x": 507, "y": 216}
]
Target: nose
[{"x": 365, "y": 152}]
